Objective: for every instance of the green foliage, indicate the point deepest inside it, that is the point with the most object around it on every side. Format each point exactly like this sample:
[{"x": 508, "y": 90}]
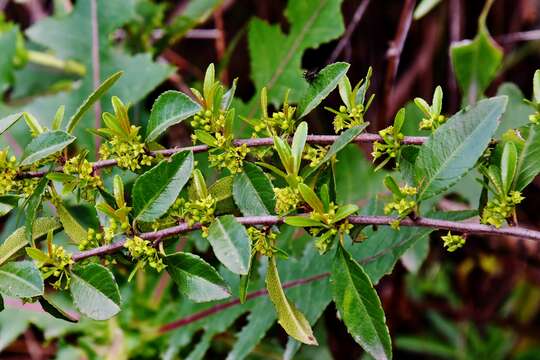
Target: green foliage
[
  {"x": 359, "y": 306},
  {"x": 20, "y": 279},
  {"x": 230, "y": 243}
]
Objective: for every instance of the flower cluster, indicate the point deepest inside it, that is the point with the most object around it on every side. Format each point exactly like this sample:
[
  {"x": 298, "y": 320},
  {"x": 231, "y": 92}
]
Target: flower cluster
[
  {"x": 129, "y": 150},
  {"x": 453, "y": 242},
  {"x": 314, "y": 154},
  {"x": 205, "y": 120},
  {"x": 403, "y": 204},
  {"x": 390, "y": 147},
  {"x": 95, "y": 238},
  {"x": 327, "y": 233},
  {"x": 535, "y": 118},
  {"x": 141, "y": 250},
  {"x": 501, "y": 208},
  {"x": 228, "y": 157},
  {"x": 57, "y": 266},
  {"x": 8, "y": 172},
  {"x": 287, "y": 199},
  {"x": 86, "y": 181},
  {"x": 432, "y": 113},
  {"x": 196, "y": 211},
  {"x": 262, "y": 240},
  {"x": 348, "y": 118}
]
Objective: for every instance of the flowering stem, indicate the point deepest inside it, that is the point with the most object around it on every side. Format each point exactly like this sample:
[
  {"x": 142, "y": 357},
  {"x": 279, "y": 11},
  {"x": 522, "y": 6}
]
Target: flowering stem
[
  {"x": 464, "y": 227},
  {"x": 311, "y": 139}
]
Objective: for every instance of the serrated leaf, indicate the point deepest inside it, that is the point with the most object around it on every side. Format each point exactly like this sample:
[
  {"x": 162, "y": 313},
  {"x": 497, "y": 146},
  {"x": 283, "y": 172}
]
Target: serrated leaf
[
  {"x": 170, "y": 108},
  {"x": 453, "y": 149},
  {"x": 95, "y": 291},
  {"x": 195, "y": 278},
  {"x": 276, "y": 57},
  {"x": 528, "y": 163},
  {"x": 20, "y": 279},
  {"x": 323, "y": 84},
  {"x": 231, "y": 243},
  {"x": 46, "y": 144},
  {"x": 17, "y": 240},
  {"x": 475, "y": 64},
  {"x": 8, "y": 203},
  {"x": 8, "y": 121},
  {"x": 91, "y": 100},
  {"x": 253, "y": 192},
  {"x": 343, "y": 140},
  {"x": 359, "y": 306},
  {"x": 71, "y": 226},
  {"x": 157, "y": 189},
  {"x": 289, "y": 317},
  {"x": 34, "y": 202}
]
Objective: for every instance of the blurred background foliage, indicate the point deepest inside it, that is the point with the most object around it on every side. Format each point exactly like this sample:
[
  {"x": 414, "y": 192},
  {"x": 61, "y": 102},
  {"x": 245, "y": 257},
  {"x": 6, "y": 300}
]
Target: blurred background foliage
[{"x": 480, "y": 302}]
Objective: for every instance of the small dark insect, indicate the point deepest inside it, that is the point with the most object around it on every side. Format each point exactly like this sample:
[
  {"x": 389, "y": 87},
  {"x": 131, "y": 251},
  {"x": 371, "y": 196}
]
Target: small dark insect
[{"x": 311, "y": 75}]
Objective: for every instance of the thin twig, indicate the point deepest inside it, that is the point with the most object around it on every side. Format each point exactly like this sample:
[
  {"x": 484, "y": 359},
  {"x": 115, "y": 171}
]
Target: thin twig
[
  {"x": 311, "y": 139},
  {"x": 96, "y": 77},
  {"x": 358, "y": 14},
  {"x": 518, "y": 36},
  {"x": 393, "y": 56},
  {"x": 463, "y": 227}
]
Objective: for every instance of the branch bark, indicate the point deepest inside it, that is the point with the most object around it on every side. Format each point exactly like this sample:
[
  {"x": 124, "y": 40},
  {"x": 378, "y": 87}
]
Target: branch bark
[{"x": 457, "y": 226}]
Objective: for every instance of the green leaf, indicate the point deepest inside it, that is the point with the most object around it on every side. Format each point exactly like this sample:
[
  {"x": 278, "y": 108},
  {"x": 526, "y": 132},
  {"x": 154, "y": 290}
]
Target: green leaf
[
  {"x": 231, "y": 243},
  {"x": 508, "y": 165},
  {"x": 46, "y": 144},
  {"x": 54, "y": 309},
  {"x": 157, "y": 189},
  {"x": 325, "y": 82},
  {"x": 424, "y": 7},
  {"x": 536, "y": 86},
  {"x": 8, "y": 121},
  {"x": 91, "y": 100},
  {"x": 453, "y": 149},
  {"x": 8, "y": 203},
  {"x": 71, "y": 226},
  {"x": 475, "y": 64},
  {"x": 34, "y": 202},
  {"x": 298, "y": 143},
  {"x": 359, "y": 306},
  {"x": 17, "y": 240},
  {"x": 68, "y": 37},
  {"x": 311, "y": 198},
  {"x": 276, "y": 58},
  {"x": 8, "y": 44},
  {"x": 289, "y": 317},
  {"x": 205, "y": 137},
  {"x": 284, "y": 152},
  {"x": 345, "y": 211},
  {"x": 170, "y": 108},
  {"x": 343, "y": 139},
  {"x": 301, "y": 221},
  {"x": 95, "y": 292},
  {"x": 20, "y": 279},
  {"x": 528, "y": 163},
  {"x": 253, "y": 192},
  {"x": 517, "y": 111},
  {"x": 195, "y": 278}
]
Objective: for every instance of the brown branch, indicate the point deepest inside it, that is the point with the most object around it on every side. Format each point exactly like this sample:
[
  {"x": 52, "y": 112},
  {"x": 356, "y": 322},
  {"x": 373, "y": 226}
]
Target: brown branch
[
  {"x": 358, "y": 14},
  {"x": 393, "y": 56},
  {"x": 462, "y": 227},
  {"x": 311, "y": 139}
]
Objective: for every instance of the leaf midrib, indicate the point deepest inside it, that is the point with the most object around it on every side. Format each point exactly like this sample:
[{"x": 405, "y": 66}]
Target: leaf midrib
[
  {"x": 20, "y": 279},
  {"x": 452, "y": 156}
]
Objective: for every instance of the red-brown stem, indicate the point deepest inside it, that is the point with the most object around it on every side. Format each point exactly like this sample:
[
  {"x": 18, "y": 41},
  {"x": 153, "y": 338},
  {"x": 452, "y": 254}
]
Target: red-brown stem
[
  {"x": 457, "y": 226},
  {"x": 311, "y": 139},
  {"x": 358, "y": 14},
  {"x": 220, "y": 307},
  {"x": 393, "y": 56}
]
